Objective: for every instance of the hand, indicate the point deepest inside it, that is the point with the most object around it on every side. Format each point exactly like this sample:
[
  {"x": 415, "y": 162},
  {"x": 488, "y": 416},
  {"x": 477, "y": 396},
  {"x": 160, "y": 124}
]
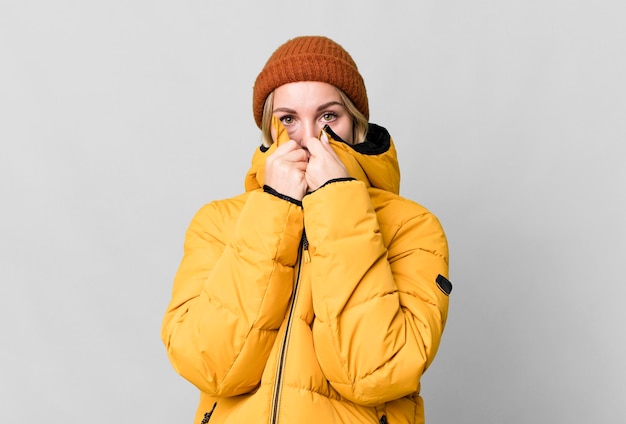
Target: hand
[
  {"x": 285, "y": 170},
  {"x": 324, "y": 164}
]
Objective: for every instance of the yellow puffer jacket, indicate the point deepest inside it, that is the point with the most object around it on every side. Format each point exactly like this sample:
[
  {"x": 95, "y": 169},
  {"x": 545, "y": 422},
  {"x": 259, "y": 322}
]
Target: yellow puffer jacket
[{"x": 333, "y": 326}]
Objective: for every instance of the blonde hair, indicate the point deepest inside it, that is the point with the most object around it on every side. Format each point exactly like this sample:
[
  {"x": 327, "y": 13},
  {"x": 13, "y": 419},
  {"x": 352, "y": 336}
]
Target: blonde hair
[{"x": 360, "y": 123}]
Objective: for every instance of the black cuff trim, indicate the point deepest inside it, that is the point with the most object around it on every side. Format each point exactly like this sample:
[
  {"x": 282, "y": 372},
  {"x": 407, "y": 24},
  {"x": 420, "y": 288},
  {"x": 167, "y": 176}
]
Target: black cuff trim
[
  {"x": 334, "y": 180},
  {"x": 273, "y": 192},
  {"x": 337, "y": 180}
]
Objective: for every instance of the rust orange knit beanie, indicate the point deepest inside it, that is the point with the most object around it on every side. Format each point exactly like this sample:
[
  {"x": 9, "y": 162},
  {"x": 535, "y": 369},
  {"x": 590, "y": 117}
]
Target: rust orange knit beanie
[{"x": 310, "y": 58}]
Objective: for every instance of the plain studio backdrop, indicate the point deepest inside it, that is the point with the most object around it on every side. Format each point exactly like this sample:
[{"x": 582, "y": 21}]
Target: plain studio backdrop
[{"x": 119, "y": 119}]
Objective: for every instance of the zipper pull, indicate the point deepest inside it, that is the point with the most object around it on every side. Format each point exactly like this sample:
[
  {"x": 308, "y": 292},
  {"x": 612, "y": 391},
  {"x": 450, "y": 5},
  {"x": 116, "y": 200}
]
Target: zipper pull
[{"x": 305, "y": 248}]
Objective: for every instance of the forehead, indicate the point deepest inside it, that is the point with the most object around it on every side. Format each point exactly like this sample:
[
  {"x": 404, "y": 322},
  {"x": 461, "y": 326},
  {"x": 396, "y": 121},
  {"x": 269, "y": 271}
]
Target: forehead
[{"x": 305, "y": 93}]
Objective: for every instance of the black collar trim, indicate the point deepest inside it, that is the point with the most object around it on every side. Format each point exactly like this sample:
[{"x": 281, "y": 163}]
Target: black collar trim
[{"x": 376, "y": 142}]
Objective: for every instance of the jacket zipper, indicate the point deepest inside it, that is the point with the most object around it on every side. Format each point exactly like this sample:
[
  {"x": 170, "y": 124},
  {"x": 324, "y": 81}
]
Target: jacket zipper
[
  {"x": 304, "y": 251},
  {"x": 305, "y": 247},
  {"x": 207, "y": 415}
]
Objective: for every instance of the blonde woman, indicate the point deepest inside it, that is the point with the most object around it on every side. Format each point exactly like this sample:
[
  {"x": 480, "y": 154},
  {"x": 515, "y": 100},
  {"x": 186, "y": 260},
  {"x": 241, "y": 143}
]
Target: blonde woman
[{"x": 319, "y": 294}]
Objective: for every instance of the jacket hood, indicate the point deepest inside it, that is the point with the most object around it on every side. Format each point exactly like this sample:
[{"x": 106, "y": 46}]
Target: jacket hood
[{"x": 374, "y": 161}]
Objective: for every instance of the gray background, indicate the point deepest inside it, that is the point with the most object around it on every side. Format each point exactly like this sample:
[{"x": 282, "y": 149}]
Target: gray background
[{"x": 119, "y": 119}]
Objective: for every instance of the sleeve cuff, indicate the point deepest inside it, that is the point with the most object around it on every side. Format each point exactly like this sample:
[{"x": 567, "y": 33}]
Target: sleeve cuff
[
  {"x": 273, "y": 192},
  {"x": 331, "y": 181}
]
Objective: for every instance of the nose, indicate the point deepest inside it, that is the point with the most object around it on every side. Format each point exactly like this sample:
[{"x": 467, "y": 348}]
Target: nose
[{"x": 308, "y": 129}]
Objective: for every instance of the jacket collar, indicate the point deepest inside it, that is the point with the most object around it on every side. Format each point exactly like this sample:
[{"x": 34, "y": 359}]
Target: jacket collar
[{"x": 374, "y": 161}]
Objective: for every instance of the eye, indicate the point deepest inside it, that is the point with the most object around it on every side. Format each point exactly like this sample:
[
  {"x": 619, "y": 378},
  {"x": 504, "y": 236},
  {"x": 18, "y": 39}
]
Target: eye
[
  {"x": 329, "y": 117},
  {"x": 287, "y": 120}
]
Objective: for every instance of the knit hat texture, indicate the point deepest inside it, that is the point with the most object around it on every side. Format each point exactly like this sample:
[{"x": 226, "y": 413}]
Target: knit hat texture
[{"x": 310, "y": 58}]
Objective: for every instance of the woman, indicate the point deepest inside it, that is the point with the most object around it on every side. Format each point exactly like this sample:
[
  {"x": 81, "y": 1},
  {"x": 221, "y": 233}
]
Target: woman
[{"x": 320, "y": 294}]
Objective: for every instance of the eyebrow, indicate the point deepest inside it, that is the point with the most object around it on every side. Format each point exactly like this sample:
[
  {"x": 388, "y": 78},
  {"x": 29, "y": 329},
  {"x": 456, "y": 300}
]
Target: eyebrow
[
  {"x": 329, "y": 104},
  {"x": 319, "y": 108}
]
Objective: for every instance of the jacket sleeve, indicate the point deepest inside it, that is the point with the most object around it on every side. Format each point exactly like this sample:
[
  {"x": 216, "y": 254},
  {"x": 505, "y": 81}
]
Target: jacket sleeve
[
  {"x": 379, "y": 312},
  {"x": 231, "y": 292}
]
